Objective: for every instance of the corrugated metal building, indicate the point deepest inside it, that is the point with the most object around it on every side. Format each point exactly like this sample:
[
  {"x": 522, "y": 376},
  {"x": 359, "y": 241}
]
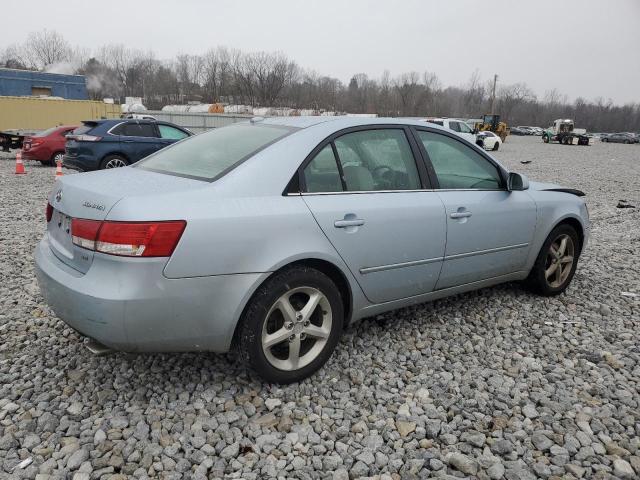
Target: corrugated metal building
[{"x": 22, "y": 83}]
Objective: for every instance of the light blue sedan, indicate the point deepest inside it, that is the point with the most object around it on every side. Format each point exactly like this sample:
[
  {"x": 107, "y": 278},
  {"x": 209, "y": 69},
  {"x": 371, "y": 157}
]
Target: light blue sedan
[{"x": 270, "y": 236}]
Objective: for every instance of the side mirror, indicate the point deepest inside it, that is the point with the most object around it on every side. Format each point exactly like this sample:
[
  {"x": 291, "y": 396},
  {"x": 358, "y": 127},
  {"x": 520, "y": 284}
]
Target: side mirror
[
  {"x": 474, "y": 131},
  {"x": 517, "y": 182}
]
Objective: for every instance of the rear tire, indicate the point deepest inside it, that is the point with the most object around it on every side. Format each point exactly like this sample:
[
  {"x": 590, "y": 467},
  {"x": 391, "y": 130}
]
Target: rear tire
[
  {"x": 291, "y": 325},
  {"x": 545, "y": 139},
  {"x": 56, "y": 156},
  {"x": 113, "y": 161},
  {"x": 556, "y": 263}
]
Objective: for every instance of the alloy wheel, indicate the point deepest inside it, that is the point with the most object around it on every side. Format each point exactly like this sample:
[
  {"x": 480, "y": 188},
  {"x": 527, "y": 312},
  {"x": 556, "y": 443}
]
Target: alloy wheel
[
  {"x": 559, "y": 262},
  {"x": 115, "y": 163},
  {"x": 296, "y": 328}
]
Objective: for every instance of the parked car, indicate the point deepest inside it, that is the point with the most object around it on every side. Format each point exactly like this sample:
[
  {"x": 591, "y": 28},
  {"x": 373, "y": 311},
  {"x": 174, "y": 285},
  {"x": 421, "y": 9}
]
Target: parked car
[
  {"x": 488, "y": 140},
  {"x": 47, "y": 146},
  {"x": 518, "y": 131},
  {"x": 99, "y": 144},
  {"x": 620, "y": 138},
  {"x": 272, "y": 235},
  {"x": 459, "y": 126}
]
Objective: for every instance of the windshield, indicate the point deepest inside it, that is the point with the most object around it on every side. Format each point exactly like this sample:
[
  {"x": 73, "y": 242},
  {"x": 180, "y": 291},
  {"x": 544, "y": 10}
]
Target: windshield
[{"x": 210, "y": 155}]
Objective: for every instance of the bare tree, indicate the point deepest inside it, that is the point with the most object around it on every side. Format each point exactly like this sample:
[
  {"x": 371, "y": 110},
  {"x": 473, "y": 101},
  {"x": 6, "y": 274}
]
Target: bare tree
[
  {"x": 46, "y": 48},
  {"x": 511, "y": 96},
  {"x": 408, "y": 88}
]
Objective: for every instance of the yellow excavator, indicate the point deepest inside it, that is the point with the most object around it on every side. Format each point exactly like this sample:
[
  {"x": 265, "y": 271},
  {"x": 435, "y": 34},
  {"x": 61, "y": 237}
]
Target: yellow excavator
[{"x": 492, "y": 123}]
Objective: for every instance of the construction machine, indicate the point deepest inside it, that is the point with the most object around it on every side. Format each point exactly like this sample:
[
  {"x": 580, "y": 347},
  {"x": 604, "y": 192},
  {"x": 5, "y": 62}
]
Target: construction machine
[{"x": 492, "y": 123}]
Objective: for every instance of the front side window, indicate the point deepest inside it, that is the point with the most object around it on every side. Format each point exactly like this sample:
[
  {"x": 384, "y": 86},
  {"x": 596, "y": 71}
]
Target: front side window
[
  {"x": 463, "y": 127},
  {"x": 211, "y": 154},
  {"x": 322, "y": 174},
  {"x": 171, "y": 132},
  {"x": 379, "y": 159},
  {"x": 458, "y": 166}
]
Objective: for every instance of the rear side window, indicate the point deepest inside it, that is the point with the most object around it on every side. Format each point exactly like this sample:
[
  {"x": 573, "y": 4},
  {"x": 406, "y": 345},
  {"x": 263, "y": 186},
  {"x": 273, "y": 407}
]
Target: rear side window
[
  {"x": 436, "y": 122},
  {"x": 211, "y": 154},
  {"x": 135, "y": 130},
  {"x": 172, "y": 133},
  {"x": 457, "y": 166},
  {"x": 454, "y": 126}
]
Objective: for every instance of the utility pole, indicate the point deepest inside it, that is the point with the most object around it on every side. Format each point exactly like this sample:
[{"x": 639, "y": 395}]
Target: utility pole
[{"x": 493, "y": 93}]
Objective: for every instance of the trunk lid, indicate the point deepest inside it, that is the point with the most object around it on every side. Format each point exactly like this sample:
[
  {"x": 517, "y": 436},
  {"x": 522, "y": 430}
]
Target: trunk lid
[{"x": 92, "y": 195}]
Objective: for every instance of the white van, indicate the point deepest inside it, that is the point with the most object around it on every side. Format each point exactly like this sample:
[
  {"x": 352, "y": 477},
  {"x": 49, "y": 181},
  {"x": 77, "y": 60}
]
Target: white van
[{"x": 458, "y": 126}]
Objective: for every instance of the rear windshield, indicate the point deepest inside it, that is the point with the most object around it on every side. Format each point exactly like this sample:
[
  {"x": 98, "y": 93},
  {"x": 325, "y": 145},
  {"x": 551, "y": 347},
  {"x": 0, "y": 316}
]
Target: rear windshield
[
  {"x": 210, "y": 155},
  {"x": 47, "y": 132},
  {"x": 84, "y": 128}
]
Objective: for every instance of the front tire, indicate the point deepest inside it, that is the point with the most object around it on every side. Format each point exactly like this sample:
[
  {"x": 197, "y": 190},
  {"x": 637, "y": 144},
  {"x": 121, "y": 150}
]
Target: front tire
[
  {"x": 496, "y": 146},
  {"x": 545, "y": 139},
  {"x": 291, "y": 325},
  {"x": 113, "y": 161},
  {"x": 556, "y": 263}
]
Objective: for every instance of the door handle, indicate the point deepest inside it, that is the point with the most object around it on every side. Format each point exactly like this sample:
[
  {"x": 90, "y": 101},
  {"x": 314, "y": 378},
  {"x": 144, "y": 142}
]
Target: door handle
[
  {"x": 356, "y": 222},
  {"x": 460, "y": 214}
]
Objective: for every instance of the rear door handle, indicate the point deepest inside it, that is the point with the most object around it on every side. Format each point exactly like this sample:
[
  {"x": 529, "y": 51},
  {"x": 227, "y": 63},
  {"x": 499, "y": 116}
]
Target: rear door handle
[
  {"x": 460, "y": 214},
  {"x": 356, "y": 222}
]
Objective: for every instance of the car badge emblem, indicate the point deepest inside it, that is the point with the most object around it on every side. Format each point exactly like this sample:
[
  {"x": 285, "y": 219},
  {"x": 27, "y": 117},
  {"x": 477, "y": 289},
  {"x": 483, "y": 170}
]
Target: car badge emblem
[{"x": 59, "y": 195}]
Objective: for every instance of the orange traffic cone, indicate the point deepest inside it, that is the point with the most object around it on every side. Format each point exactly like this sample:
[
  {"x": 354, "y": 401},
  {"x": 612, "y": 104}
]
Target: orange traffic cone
[
  {"x": 58, "y": 169},
  {"x": 19, "y": 164}
]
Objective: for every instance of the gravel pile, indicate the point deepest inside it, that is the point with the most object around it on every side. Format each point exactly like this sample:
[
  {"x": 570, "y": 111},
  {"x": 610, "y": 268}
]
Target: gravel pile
[{"x": 492, "y": 384}]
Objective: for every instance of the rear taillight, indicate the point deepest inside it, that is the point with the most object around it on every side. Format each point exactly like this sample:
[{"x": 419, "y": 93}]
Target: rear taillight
[
  {"x": 84, "y": 138},
  {"x": 35, "y": 143},
  {"x": 49, "y": 212},
  {"x": 129, "y": 239},
  {"x": 84, "y": 232}
]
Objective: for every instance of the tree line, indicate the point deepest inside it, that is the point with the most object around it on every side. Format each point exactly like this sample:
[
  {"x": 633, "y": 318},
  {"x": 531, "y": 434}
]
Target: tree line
[{"x": 270, "y": 79}]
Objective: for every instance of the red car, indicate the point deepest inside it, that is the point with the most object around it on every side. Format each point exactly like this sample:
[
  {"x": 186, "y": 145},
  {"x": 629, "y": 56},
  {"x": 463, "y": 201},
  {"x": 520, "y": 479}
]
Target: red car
[{"x": 48, "y": 146}]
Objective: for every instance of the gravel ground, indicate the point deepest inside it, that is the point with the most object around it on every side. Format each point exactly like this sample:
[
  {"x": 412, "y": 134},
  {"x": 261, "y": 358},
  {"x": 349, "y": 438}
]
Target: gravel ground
[{"x": 492, "y": 384}]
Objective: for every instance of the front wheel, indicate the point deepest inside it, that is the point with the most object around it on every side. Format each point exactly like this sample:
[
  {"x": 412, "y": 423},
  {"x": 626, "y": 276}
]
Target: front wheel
[
  {"x": 556, "y": 263},
  {"x": 545, "y": 139},
  {"x": 496, "y": 146},
  {"x": 291, "y": 325}
]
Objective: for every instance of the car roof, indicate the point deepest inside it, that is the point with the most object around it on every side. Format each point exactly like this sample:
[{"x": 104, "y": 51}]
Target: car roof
[{"x": 344, "y": 121}]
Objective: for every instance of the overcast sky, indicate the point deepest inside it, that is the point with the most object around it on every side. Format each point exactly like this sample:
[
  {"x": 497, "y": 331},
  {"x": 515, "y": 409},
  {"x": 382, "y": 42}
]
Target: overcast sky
[{"x": 585, "y": 48}]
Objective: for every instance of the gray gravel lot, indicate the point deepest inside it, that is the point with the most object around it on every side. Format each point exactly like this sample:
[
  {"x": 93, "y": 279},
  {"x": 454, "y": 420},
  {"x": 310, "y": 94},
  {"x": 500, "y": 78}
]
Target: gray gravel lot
[{"x": 492, "y": 384}]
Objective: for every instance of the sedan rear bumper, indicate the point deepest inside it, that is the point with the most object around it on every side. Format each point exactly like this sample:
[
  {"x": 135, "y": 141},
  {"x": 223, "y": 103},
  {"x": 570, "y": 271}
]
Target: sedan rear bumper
[{"x": 128, "y": 304}]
